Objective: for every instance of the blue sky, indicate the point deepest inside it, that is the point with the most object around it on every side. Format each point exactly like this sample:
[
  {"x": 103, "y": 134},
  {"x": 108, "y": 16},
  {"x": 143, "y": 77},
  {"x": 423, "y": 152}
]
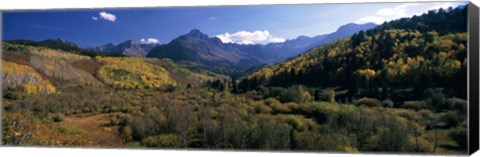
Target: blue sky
[{"x": 239, "y": 24}]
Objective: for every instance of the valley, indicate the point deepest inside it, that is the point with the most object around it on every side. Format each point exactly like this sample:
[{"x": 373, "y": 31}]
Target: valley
[{"x": 396, "y": 87}]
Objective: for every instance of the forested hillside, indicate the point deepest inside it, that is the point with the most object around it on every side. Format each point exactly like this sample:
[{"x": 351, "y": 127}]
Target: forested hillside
[
  {"x": 60, "y": 44},
  {"x": 375, "y": 62},
  {"x": 417, "y": 63},
  {"x": 64, "y": 68}
]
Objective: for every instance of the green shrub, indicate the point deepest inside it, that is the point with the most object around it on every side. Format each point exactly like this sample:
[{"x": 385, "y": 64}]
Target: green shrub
[
  {"x": 113, "y": 108},
  {"x": 295, "y": 122},
  {"x": 126, "y": 132},
  {"x": 86, "y": 110},
  {"x": 164, "y": 140},
  {"x": 263, "y": 90},
  {"x": 297, "y": 93},
  {"x": 427, "y": 117},
  {"x": 416, "y": 105},
  {"x": 292, "y": 105},
  {"x": 459, "y": 135},
  {"x": 331, "y": 96},
  {"x": 387, "y": 103},
  {"x": 260, "y": 108},
  {"x": 277, "y": 106},
  {"x": 452, "y": 119},
  {"x": 436, "y": 99},
  {"x": 457, "y": 104},
  {"x": 281, "y": 108},
  {"x": 279, "y": 93},
  {"x": 13, "y": 95},
  {"x": 370, "y": 102},
  {"x": 271, "y": 101}
]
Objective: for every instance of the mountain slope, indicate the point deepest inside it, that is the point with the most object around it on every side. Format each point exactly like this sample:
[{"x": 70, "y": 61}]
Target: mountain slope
[
  {"x": 40, "y": 70},
  {"x": 197, "y": 49},
  {"x": 393, "y": 55}
]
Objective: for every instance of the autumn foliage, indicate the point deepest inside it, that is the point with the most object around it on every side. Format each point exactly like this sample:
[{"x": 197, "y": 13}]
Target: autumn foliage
[
  {"x": 21, "y": 77},
  {"x": 132, "y": 73}
]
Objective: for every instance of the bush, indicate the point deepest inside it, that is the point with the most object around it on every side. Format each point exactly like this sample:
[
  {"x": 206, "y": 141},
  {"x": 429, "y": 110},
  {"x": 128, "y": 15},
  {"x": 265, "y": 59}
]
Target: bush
[
  {"x": 427, "y": 117},
  {"x": 278, "y": 93},
  {"x": 277, "y": 106},
  {"x": 263, "y": 90},
  {"x": 86, "y": 110},
  {"x": 436, "y": 99},
  {"x": 331, "y": 96},
  {"x": 459, "y": 135},
  {"x": 452, "y": 119},
  {"x": 165, "y": 140},
  {"x": 297, "y": 93},
  {"x": 424, "y": 145},
  {"x": 370, "y": 102},
  {"x": 415, "y": 105},
  {"x": 126, "y": 132},
  {"x": 58, "y": 117},
  {"x": 426, "y": 114},
  {"x": 280, "y": 108},
  {"x": 325, "y": 95},
  {"x": 349, "y": 149},
  {"x": 13, "y": 95},
  {"x": 292, "y": 105},
  {"x": 457, "y": 104},
  {"x": 295, "y": 123},
  {"x": 272, "y": 101},
  {"x": 16, "y": 130},
  {"x": 260, "y": 108},
  {"x": 387, "y": 103}
]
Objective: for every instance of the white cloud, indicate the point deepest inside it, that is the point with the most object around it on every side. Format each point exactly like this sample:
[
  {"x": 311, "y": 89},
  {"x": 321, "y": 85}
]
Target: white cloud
[
  {"x": 149, "y": 41},
  {"x": 404, "y": 10},
  {"x": 107, "y": 16},
  {"x": 245, "y": 37},
  {"x": 367, "y": 19},
  {"x": 94, "y": 18}
]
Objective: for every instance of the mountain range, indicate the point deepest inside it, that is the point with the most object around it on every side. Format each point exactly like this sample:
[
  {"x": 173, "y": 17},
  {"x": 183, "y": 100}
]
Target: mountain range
[
  {"x": 127, "y": 48},
  {"x": 198, "y": 49},
  {"x": 301, "y": 44}
]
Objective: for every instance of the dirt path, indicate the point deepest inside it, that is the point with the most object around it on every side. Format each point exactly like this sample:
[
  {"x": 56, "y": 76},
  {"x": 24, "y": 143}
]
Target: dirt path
[{"x": 97, "y": 131}]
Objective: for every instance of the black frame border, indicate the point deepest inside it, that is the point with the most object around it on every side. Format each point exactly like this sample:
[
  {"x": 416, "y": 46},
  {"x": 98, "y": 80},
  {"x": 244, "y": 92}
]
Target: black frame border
[{"x": 473, "y": 70}]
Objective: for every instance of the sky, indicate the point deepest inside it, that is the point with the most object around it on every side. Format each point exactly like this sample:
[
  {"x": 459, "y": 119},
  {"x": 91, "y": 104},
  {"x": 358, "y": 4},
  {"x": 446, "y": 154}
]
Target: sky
[{"x": 259, "y": 24}]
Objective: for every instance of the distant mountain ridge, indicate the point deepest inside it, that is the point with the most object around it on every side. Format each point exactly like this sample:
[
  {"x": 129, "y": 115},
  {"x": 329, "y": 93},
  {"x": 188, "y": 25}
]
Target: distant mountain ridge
[
  {"x": 127, "y": 48},
  {"x": 301, "y": 44}
]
